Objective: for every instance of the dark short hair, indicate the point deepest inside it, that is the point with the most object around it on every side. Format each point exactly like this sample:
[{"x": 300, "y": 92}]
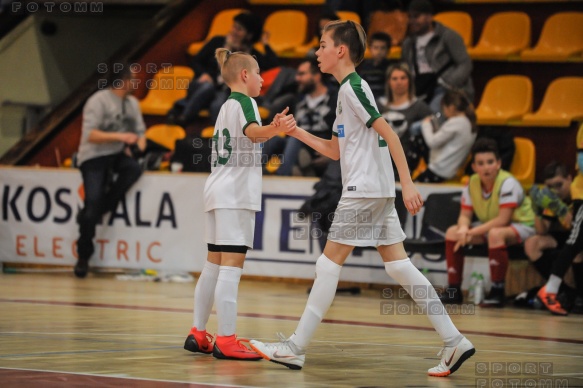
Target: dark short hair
[
  {"x": 421, "y": 7},
  {"x": 118, "y": 71},
  {"x": 313, "y": 61},
  {"x": 383, "y": 37},
  {"x": 554, "y": 169},
  {"x": 484, "y": 145},
  {"x": 252, "y": 23}
]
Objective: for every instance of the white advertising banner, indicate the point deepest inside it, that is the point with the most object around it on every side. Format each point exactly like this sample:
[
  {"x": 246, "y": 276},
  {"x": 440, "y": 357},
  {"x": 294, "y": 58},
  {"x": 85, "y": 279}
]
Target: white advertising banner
[{"x": 160, "y": 225}]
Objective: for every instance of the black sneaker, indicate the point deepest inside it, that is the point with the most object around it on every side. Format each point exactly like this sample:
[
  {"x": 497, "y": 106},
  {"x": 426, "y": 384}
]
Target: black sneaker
[
  {"x": 577, "y": 305},
  {"x": 495, "y": 298},
  {"x": 452, "y": 295},
  {"x": 81, "y": 268}
]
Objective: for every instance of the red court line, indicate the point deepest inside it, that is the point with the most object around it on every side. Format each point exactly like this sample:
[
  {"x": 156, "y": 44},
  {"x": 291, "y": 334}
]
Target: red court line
[
  {"x": 24, "y": 378},
  {"x": 293, "y": 318}
]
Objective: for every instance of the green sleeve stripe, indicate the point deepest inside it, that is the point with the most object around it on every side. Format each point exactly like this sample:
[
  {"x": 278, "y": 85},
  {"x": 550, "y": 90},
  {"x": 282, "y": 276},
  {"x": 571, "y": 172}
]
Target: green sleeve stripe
[
  {"x": 334, "y": 133},
  {"x": 248, "y": 124},
  {"x": 356, "y": 84},
  {"x": 247, "y": 107}
]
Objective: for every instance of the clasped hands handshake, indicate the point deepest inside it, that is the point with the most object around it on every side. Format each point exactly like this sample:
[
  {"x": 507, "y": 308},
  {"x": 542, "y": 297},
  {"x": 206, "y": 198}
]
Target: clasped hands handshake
[{"x": 287, "y": 122}]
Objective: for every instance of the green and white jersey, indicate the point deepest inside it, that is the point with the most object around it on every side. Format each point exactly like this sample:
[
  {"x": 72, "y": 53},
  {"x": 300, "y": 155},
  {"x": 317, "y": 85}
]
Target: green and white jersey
[
  {"x": 365, "y": 160},
  {"x": 235, "y": 179}
]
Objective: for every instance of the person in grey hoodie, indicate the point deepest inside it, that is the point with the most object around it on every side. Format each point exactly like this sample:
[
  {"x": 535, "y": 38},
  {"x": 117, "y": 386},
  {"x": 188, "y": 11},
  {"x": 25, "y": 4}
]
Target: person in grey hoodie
[{"x": 437, "y": 55}]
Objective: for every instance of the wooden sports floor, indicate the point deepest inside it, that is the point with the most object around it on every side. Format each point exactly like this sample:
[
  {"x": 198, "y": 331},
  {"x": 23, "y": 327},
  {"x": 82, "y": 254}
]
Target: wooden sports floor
[{"x": 58, "y": 331}]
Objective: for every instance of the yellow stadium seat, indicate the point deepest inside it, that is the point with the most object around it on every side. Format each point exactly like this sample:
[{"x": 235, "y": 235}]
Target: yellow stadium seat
[
  {"x": 505, "y": 98},
  {"x": 221, "y": 25},
  {"x": 460, "y": 22},
  {"x": 562, "y": 103},
  {"x": 393, "y": 23},
  {"x": 287, "y": 2},
  {"x": 287, "y": 30},
  {"x": 165, "y": 135},
  {"x": 166, "y": 87},
  {"x": 561, "y": 38},
  {"x": 273, "y": 164},
  {"x": 523, "y": 165},
  {"x": 348, "y": 15},
  {"x": 505, "y": 34},
  {"x": 207, "y": 132},
  {"x": 303, "y": 50}
]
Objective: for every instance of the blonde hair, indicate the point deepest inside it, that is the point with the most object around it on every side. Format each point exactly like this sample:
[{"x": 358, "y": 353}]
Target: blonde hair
[
  {"x": 231, "y": 63},
  {"x": 350, "y": 34}
]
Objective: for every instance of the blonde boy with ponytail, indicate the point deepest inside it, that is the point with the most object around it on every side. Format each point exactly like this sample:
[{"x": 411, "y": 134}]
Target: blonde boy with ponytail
[{"x": 232, "y": 195}]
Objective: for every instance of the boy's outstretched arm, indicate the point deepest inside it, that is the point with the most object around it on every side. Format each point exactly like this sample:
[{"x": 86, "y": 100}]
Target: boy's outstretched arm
[
  {"x": 329, "y": 148},
  {"x": 411, "y": 196},
  {"x": 258, "y": 134}
]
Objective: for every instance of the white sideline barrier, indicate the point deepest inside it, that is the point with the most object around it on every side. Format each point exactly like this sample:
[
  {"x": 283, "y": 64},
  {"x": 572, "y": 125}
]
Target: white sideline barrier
[{"x": 160, "y": 226}]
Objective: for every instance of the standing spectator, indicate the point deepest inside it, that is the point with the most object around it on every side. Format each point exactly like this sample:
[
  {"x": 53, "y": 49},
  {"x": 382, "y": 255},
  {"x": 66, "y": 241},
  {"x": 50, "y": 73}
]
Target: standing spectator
[
  {"x": 505, "y": 217},
  {"x": 112, "y": 128},
  {"x": 208, "y": 90},
  {"x": 373, "y": 70},
  {"x": 447, "y": 146},
  {"x": 437, "y": 55},
  {"x": 314, "y": 111}
]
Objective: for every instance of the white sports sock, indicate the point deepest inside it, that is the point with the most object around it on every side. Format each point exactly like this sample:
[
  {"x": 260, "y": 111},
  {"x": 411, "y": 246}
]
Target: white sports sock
[
  {"x": 204, "y": 295},
  {"x": 553, "y": 284},
  {"x": 226, "y": 299},
  {"x": 423, "y": 293},
  {"x": 319, "y": 301}
]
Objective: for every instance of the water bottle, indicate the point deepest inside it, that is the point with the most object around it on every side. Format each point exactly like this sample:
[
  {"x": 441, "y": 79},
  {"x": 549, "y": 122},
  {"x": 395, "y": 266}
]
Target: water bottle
[
  {"x": 472, "y": 289},
  {"x": 479, "y": 290}
]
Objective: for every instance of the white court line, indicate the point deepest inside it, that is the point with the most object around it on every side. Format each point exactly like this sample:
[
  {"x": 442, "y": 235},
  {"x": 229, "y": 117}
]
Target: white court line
[{"x": 129, "y": 378}]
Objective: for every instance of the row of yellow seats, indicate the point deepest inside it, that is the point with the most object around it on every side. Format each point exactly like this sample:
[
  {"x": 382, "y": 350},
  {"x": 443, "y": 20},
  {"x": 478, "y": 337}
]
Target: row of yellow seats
[
  {"x": 508, "y": 34},
  {"x": 523, "y": 165},
  {"x": 505, "y": 34},
  {"x": 170, "y": 85},
  {"x": 507, "y": 100}
]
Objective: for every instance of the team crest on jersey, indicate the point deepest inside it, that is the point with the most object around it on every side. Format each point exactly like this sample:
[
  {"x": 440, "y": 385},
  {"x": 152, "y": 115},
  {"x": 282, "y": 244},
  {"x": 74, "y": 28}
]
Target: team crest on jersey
[
  {"x": 339, "y": 107},
  {"x": 340, "y": 130}
]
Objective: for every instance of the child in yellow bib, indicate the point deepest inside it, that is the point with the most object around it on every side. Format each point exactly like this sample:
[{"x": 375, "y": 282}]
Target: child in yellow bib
[{"x": 505, "y": 217}]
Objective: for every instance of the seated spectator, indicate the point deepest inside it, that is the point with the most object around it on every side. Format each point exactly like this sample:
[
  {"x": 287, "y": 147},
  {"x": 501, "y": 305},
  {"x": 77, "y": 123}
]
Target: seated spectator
[
  {"x": 402, "y": 110},
  {"x": 373, "y": 70},
  {"x": 552, "y": 206},
  {"x": 314, "y": 111},
  {"x": 208, "y": 90},
  {"x": 446, "y": 147},
  {"x": 505, "y": 217},
  {"x": 571, "y": 252},
  {"x": 326, "y": 16},
  {"x": 437, "y": 55}
]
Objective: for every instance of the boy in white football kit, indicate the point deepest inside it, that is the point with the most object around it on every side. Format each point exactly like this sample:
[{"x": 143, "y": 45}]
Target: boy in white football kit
[
  {"x": 366, "y": 214},
  {"x": 232, "y": 195}
]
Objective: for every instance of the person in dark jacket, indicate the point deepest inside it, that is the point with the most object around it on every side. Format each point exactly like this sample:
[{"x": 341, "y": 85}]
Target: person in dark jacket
[
  {"x": 208, "y": 90},
  {"x": 437, "y": 55}
]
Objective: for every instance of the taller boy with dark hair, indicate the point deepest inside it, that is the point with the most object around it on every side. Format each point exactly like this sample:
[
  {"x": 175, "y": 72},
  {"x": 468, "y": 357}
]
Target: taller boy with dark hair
[{"x": 367, "y": 204}]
